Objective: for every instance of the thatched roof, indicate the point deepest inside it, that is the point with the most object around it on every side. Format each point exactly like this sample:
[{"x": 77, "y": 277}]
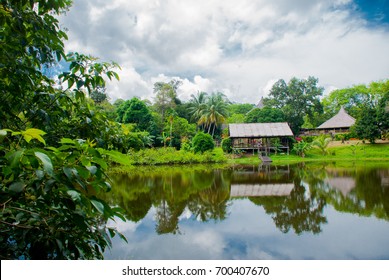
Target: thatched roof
[
  {"x": 248, "y": 190},
  {"x": 260, "y": 104},
  {"x": 340, "y": 120},
  {"x": 258, "y": 130}
]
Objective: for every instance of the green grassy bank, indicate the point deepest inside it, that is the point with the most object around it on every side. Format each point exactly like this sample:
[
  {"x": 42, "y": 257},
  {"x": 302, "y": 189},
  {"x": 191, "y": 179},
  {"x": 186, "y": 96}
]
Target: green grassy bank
[
  {"x": 170, "y": 156},
  {"x": 166, "y": 156},
  {"x": 345, "y": 152}
]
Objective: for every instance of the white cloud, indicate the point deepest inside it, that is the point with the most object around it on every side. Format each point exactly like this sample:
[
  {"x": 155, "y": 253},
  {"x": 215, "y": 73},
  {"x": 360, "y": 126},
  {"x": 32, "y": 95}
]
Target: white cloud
[
  {"x": 131, "y": 84},
  {"x": 237, "y": 47}
]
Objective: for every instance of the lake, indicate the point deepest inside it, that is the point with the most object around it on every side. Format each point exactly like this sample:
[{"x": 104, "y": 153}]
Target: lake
[{"x": 303, "y": 211}]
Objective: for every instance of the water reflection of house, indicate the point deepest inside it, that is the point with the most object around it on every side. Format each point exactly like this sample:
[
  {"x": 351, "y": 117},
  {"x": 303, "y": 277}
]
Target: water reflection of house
[
  {"x": 384, "y": 175},
  {"x": 261, "y": 181},
  {"x": 250, "y": 190},
  {"x": 342, "y": 184}
]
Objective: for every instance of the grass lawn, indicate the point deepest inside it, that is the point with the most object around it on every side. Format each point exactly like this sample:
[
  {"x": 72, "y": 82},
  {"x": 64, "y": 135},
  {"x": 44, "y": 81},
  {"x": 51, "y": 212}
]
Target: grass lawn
[{"x": 351, "y": 151}]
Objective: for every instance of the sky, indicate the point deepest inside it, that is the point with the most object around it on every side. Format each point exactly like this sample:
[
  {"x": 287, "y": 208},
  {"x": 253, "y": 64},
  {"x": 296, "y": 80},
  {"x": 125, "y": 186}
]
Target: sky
[{"x": 240, "y": 48}]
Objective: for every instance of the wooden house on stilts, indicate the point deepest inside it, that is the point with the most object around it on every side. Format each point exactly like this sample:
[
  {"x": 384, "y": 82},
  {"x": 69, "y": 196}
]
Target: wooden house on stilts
[{"x": 256, "y": 137}]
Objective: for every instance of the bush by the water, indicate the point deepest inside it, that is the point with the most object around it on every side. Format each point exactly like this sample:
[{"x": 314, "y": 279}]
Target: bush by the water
[
  {"x": 202, "y": 142},
  {"x": 169, "y": 155},
  {"x": 227, "y": 145}
]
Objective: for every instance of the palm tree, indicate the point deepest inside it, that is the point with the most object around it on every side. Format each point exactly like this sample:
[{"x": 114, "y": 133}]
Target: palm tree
[
  {"x": 321, "y": 143},
  {"x": 214, "y": 112},
  {"x": 198, "y": 104}
]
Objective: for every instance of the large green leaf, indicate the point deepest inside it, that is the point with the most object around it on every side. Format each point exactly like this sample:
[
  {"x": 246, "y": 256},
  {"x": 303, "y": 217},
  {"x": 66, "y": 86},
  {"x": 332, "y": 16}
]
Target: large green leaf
[
  {"x": 33, "y": 133},
  {"x": 75, "y": 195},
  {"x": 98, "y": 205},
  {"x": 116, "y": 156},
  {"x": 3, "y": 134},
  {"x": 67, "y": 141},
  {"x": 14, "y": 157},
  {"x": 17, "y": 186},
  {"x": 46, "y": 161}
]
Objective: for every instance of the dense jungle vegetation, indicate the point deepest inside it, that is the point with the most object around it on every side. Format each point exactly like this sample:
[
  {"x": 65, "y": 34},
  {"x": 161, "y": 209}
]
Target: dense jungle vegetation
[{"x": 60, "y": 134}]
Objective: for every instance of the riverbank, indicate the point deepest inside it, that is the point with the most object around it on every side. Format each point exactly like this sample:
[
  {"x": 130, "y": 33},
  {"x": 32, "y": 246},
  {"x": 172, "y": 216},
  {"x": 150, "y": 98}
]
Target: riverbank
[
  {"x": 166, "y": 156},
  {"x": 337, "y": 151}
]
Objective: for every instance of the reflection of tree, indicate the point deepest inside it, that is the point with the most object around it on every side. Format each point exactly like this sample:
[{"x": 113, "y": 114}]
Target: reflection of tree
[
  {"x": 131, "y": 193},
  {"x": 174, "y": 191},
  {"x": 385, "y": 198},
  {"x": 167, "y": 217},
  {"x": 300, "y": 211},
  {"x": 368, "y": 197},
  {"x": 368, "y": 188},
  {"x": 211, "y": 203},
  {"x": 137, "y": 209}
]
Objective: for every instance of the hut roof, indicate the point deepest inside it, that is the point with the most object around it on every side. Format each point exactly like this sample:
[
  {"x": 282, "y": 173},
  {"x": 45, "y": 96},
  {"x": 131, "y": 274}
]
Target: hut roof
[
  {"x": 340, "y": 120},
  {"x": 260, "y": 104},
  {"x": 251, "y": 130}
]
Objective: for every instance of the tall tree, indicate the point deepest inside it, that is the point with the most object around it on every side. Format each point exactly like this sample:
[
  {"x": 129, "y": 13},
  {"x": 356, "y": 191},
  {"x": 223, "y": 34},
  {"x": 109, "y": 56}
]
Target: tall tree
[
  {"x": 366, "y": 126},
  {"x": 354, "y": 98},
  {"x": 99, "y": 95},
  {"x": 214, "y": 112},
  {"x": 383, "y": 113},
  {"x": 237, "y": 108},
  {"x": 265, "y": 115},
  {"x": 166, "y": 95},
  {"x": 135, "y": 111},
  {"x": 198, "y": 105},
  {"x": 296, "y": 99}
]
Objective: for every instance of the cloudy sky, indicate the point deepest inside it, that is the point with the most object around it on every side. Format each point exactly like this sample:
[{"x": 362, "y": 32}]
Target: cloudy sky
[{"x": 237, "y": 47}]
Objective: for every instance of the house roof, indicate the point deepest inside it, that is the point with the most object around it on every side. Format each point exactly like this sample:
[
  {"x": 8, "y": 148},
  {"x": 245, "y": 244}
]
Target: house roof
[
  {"x": 260, "y": 104},
  {"x": 249, "y": 130},
  {"x": 341, "y": 119}
]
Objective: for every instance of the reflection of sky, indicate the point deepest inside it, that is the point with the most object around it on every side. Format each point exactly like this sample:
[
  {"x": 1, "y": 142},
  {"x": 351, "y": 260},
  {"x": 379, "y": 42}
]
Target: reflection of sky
[{"x": 249, "y": 233}]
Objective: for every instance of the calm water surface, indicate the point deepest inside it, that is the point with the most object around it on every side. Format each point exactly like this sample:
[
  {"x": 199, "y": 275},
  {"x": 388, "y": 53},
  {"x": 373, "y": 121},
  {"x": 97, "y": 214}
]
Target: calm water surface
[{"x": 320, "y": 211}]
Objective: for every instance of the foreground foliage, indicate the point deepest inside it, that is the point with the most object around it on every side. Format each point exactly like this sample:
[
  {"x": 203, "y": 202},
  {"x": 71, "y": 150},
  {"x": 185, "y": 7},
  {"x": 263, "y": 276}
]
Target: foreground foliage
[
  {"x": 50, "y": 185},
  {"x": 50, "y": 199}
]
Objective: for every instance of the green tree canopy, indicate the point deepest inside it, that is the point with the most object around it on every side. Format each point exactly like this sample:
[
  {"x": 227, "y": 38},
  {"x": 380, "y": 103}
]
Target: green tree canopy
[
  {"x": 366, "y": 125},
  {"x": 211, "y": 111},
  {"x": 265, "y": 115},
  {"x": 99, "y": 95},
  {"x": 202, "y": 142},
  {"x": 237, "y": 108},
  {"x": 197, "y": 105},
  {"x": 166, "y": 95},
  {"x": 236, "y": 118},
  {"x": 383, "y": 113},
  {"x": 296, "y": 99},
  {"x": 354, "y": 98},
  {"x": 135, "y": 111},
  {"x": 178, "y": 128}
]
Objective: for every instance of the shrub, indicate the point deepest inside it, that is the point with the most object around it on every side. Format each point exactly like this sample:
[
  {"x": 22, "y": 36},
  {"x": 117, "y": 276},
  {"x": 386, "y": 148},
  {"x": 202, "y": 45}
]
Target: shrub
[
  {"x": 134, "y": 141},
  {"x": 308, "y": 139},
  {"x": 301, "y": 147},
  {"x": 186, "y": 144},
  {"x": 321, "y": 142},
  {"x": 227, "y": 145},
  {"x": 202, "y": 142}
]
